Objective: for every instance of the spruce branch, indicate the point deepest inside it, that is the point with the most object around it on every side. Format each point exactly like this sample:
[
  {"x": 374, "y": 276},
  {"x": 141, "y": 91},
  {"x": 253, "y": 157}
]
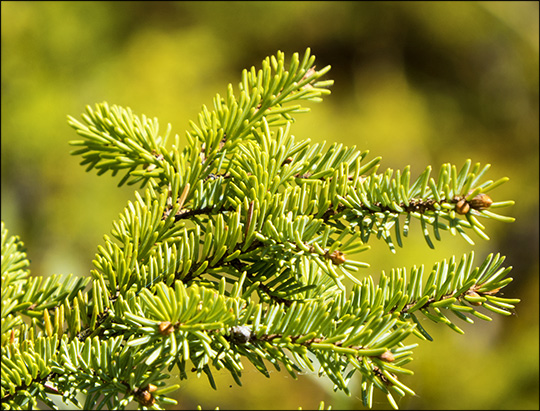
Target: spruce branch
[{"x": 242, "y": 246}]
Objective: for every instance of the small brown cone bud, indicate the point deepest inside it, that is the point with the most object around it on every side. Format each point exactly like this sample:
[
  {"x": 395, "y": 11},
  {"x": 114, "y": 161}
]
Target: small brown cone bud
[
  {"x": 462, "y": 207},
  {"x": 165, "y": 327},
  {"x": 337, "y": 257},
  {"x": 144, "y": 397},
  {"x": 387, "y": 356},
  {"x": 481, "y": 202}
]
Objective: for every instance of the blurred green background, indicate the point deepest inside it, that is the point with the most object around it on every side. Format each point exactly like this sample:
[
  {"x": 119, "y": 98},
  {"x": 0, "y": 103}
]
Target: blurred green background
[{"x": 415, "y": 82}]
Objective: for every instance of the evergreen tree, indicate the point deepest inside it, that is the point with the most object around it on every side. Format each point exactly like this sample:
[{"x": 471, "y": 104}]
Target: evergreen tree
[{"x": 244, "y": 246}]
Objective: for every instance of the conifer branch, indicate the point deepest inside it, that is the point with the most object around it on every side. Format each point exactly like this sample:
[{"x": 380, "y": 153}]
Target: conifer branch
[{"x": 239, "y": 249}]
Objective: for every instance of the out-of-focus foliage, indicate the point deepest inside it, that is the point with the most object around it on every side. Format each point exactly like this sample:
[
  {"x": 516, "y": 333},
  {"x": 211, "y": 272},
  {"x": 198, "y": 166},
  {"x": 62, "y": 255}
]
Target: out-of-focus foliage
[{"x": 416, "y": 83}]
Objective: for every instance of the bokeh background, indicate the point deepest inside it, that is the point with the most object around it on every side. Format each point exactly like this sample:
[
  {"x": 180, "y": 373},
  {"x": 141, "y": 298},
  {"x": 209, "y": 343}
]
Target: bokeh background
[{"x": 417, "y": 83}]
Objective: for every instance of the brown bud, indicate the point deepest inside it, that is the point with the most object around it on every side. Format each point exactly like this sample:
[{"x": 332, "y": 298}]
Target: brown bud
[
  {"x": 165, "y": 328},
  {"x": 144, "y": 397},
  {"x": 337, "y": 257},
  {"x": 387, "y": 356},
  {"x": 474, "y": 294},
  {"x": 481, "y": 202},
  {"x": 462, "y": 207}
]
